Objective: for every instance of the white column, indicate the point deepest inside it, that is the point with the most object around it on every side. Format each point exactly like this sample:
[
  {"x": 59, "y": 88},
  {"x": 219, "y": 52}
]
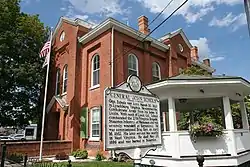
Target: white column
[
  {"x": 228, "y": 114},
  {"x": 229, "y": 126},
  {"x": 164, "y": 121},
  {"x": 244, "y": 115},
  {"x": 172, "y": 115},
  {"x": 175, "y": 140}
]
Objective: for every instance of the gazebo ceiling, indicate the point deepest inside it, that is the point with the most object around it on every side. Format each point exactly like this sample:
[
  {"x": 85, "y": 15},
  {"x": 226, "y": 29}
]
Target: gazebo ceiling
[{"x": 195, "y": 104}]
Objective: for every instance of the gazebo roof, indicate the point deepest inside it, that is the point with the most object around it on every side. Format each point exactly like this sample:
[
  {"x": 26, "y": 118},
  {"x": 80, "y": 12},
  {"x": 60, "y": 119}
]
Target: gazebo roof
[
  {"x": 204, "y": 77},
  {"x": 192, "y": 85}
]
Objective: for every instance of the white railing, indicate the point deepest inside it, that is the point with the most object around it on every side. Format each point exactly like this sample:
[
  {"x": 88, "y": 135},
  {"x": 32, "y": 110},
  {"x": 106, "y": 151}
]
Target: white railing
[
  {"x": 188, "y": 147},
  {"x": 203, "y": 145},
  {"x": 242, "y": 139},
  {"x": 165, "y": 148}
]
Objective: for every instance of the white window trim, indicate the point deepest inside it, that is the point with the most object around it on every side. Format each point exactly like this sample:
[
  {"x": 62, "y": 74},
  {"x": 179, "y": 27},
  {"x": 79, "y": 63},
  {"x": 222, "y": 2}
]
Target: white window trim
[
  {"x": 137, "y": 64},
  {"x": 94, "y": 87},
  {"x": 63, "y": 91},
  {"x": 92, "y": 73},
  {"x": 91, "y": 138},
  {"x": 159, "y": 70},
  {"x": 57, "y": 72},
  {"x": 62, "y": 36}
]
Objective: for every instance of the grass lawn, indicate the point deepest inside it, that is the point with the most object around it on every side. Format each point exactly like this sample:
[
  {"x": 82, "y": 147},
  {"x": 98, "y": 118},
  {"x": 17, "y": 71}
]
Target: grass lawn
[
  {"x": 85, "y": 164},
  {"x": 102, "y": 164}
]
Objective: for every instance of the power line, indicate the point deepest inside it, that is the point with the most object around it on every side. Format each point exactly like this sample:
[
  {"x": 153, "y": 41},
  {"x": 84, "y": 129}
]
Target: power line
[
  {"x": 154, "y": 28},
  {"x": 161, "y": 12},
  {"x": 156, "y": 17}
]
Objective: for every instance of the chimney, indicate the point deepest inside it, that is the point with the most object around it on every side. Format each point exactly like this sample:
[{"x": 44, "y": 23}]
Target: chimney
[
  {"x": 143, "y": 24},
  {"x": 207, "y": 62},
  {"x": 194, "y": 53}
]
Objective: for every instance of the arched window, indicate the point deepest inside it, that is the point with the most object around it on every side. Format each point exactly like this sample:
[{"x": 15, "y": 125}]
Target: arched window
[
  {"x": 65, "y": 78},
  {"x": 156, "y": 71},
  {"x": 57, "y": 90},
  {"x": 96, "y": 70},
  {"x": 133, "y": 65}
]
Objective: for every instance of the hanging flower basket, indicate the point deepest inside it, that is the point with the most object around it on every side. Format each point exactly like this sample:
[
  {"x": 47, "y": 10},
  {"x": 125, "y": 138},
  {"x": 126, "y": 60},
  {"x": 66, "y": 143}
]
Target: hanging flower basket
[{"x": 205, "y": 129}]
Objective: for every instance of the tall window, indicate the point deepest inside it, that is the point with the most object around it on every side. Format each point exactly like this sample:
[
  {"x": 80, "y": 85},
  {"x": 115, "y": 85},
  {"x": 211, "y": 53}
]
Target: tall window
[
  {"x": 57, "y": 90},
  {"x": 95, "y": 123},
  {"x": 156, "y": 71},
  {"x": 132, "y": 65},
  {"x": 65, "y": 78},
  {"x": 96, "y": 70}
]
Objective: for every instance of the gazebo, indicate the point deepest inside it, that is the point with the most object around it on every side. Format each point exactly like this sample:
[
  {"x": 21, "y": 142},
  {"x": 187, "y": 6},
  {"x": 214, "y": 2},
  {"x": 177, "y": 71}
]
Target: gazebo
[{"x": 188, "y": 93}]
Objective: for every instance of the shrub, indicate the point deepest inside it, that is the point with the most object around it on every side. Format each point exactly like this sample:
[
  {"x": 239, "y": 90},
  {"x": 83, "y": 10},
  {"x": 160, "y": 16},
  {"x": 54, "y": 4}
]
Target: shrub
[
  {"x": 15, "y": 157},
  {"x": 83, "y": 154},
  {"x": 99, "y": 156},
  {"x": 62, "y": 156}
]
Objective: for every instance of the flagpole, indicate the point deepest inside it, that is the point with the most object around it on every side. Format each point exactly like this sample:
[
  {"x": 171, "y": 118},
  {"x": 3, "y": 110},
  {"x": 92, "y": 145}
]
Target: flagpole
[{"x": 45, "y": 98}]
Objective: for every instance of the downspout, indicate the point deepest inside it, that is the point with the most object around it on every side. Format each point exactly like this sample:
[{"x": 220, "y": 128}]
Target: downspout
[
  {"x": 112, "y": 152},
  {"x": 112, "y": 57}
]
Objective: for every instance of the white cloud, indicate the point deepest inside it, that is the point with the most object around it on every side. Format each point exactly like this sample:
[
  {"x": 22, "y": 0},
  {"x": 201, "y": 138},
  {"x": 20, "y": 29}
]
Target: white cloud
[
  {"x": 204, "y": 50},
  {"x": 63, "y": 9},
  {"x": 27, "y": 2},
  {"x": 83, "y": 17},
  {"x": 235, "y": 21},
  {"x": 192, "y": 11},
  {"x": 107, "y": 7}
]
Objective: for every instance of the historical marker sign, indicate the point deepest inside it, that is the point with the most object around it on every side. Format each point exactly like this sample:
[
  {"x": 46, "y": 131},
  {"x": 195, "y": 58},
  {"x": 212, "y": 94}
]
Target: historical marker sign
[{"x": 132, "y": 116}]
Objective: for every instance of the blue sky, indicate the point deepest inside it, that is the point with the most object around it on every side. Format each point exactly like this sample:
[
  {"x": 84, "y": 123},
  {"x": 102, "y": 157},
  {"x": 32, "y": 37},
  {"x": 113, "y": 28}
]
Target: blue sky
[{"x": 217, "y": 27}]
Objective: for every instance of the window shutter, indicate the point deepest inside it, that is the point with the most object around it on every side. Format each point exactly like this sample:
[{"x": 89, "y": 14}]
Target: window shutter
[
  {"x": 84, "y": 122},
  {"x": 100, "y": 122}
]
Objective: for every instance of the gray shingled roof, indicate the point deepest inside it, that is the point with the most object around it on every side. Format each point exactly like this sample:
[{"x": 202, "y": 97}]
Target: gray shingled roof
[{"x": 198, "y": 77}]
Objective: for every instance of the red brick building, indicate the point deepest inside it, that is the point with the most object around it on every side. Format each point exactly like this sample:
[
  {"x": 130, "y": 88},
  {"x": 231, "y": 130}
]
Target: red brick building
[{"x": 87, "y": 60}]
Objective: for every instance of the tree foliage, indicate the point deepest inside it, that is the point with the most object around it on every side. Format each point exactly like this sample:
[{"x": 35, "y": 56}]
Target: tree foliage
[
  {"x": 21, "y": 38},
  {"x": 214, "y": 115},
  {"x": 194, "y": 70}
]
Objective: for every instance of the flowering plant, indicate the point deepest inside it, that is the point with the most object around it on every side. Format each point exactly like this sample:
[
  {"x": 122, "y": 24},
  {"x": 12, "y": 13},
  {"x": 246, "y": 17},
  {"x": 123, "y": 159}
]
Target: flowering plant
[{"x": 206, "y": 129}]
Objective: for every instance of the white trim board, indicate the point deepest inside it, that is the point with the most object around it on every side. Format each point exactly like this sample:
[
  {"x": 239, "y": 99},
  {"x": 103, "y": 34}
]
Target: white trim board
[
  {"x": 197, "y": 82},
  {"x": 174, "y": 33},
  {"x": 75, "y": 22}
]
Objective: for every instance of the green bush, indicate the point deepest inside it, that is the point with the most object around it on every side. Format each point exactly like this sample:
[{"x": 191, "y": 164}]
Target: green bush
[
  {"x": 83, "y": 154},
  {"x": 99, "y": 156},
  {"x": 15, "y": 157}
]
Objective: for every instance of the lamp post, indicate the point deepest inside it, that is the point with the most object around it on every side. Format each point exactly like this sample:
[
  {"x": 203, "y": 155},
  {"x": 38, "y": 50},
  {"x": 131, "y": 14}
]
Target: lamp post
[{"x": 200, "y": 159}]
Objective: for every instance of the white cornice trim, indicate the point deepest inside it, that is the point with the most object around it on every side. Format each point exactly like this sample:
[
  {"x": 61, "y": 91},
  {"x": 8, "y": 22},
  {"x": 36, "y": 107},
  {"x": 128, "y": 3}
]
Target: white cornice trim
[
  {"x": 181, "y": 82},
  {"x": 174, "y": 33},
  {"x": 110, "y": 22},
  {"x": 76, "y": 22}
]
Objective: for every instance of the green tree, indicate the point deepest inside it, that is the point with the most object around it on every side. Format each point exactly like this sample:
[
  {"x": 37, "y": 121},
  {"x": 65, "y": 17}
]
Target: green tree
[
  {"x": 194, "y": 70},
  {"x": 22, "y": 76}
]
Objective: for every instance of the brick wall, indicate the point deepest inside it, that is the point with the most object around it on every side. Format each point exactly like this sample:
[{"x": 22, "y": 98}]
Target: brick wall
[{"x": 32, "y": 148}]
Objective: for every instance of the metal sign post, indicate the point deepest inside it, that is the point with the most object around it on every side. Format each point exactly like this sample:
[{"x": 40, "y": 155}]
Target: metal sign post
[{"x": 132, "y": 119}]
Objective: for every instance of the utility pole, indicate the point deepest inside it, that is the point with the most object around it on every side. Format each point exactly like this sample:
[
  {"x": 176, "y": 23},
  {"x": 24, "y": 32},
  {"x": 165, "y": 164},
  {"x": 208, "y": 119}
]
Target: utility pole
[{"x": 247, "y": 10}]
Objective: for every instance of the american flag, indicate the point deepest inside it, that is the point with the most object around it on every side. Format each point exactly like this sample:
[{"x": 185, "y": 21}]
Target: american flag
[{"x": 45, "y": 50}]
